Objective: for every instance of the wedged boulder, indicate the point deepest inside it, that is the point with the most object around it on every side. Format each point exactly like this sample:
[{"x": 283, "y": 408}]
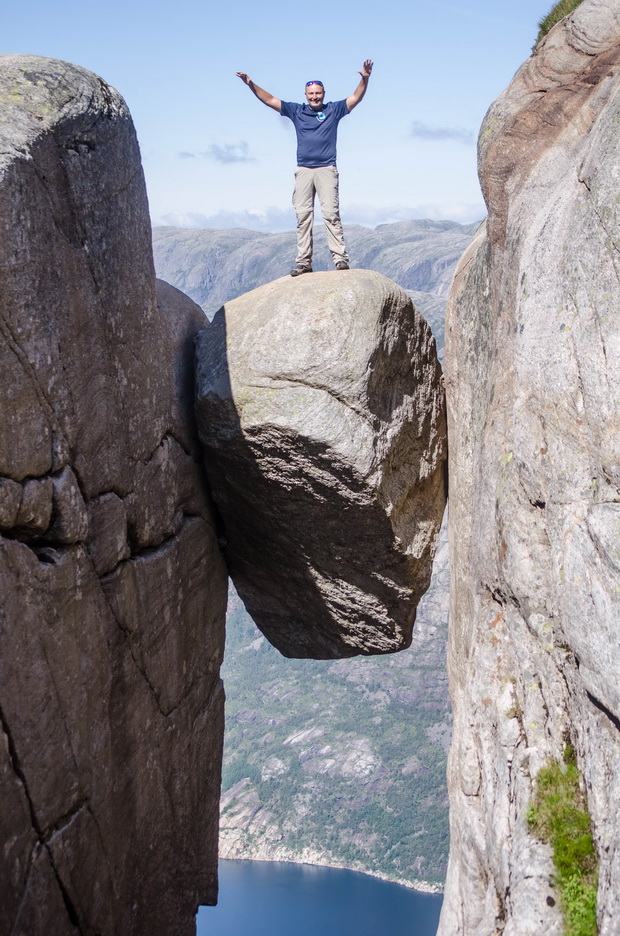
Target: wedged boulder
[
  {"x": 532, "y": 380},
  {"x": 113, "y": 588},
  {"x": 321, "y": 410}
]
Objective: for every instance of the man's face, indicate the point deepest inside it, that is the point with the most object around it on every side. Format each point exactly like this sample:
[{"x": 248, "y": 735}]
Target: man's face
[{"x": 314, "y": 96}]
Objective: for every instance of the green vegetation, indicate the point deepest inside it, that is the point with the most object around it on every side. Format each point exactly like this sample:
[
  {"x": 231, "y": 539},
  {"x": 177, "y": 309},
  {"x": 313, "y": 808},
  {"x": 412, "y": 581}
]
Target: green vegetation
[
  {"x": 558, "y": 12},
  {"x": 558, "y": 815},
  {"x": 347, "y": 757}
]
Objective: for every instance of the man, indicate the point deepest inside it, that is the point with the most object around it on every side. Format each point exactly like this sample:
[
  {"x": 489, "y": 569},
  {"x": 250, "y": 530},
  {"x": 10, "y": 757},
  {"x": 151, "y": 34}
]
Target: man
[{"x": 316, "y": 124}]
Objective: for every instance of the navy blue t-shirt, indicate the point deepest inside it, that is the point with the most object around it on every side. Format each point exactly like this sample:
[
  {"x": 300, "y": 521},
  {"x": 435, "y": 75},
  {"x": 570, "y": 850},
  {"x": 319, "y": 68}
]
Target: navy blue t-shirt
[{"x": 316, "y": 131}]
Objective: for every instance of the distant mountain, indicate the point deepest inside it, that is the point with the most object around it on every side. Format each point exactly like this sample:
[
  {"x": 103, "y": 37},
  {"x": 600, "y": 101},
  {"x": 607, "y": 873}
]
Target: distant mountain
[
  {"x": 340, "y": 762},
  {"x": 215, "y": 266},
  {"x": 337, "y": 763}
]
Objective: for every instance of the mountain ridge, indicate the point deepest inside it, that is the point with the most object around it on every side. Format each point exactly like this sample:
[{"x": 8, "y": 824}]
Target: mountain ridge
[
  {"x": 362, "y": 741},
  {"x": 258, "y": 808},
  {"x": 214, "y": 266}
]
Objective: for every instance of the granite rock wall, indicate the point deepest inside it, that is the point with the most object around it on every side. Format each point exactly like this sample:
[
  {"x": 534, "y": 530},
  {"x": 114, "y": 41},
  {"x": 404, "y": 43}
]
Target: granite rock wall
[
  {"x": 533, "y": 389},
  {"x": 113, "y": 588}
]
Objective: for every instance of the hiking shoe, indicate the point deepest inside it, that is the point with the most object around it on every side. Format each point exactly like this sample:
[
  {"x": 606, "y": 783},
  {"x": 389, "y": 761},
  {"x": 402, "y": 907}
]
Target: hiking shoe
[
  {"x": 342, "y": 265},
  {"x": 300, "y": 269}
]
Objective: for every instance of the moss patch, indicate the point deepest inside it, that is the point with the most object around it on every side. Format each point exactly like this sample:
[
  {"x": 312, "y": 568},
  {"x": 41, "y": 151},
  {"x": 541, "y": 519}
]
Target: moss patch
[
  {"x": 558, "y": 815},
  {"x": 557, "y": 12}
]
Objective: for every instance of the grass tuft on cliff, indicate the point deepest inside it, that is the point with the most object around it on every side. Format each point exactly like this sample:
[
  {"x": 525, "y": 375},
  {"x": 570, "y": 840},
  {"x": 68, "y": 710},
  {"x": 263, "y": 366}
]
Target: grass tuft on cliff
[
  {"x": 558, "y": 815},
  {"x": 557, "y": 12}
]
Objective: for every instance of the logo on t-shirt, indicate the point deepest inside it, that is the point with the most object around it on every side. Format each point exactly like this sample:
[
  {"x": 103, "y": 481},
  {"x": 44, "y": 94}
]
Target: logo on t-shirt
[{"x": 320, "y": 116}]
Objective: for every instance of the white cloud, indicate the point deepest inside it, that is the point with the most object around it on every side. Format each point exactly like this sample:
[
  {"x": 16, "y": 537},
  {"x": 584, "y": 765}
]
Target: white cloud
[
  {"x": 229, "y": 152},
  {"x": 272, "y": 220},
  {"x": 422, "y": 131},
  {"x": 451, "y": 211},
  {"x": 268, "y": 220}
]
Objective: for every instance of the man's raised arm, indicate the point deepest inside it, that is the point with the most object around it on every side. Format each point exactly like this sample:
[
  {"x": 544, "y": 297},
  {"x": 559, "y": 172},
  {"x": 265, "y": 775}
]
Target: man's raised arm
[
  {"x": 360, "y": 91},
  {"x": 262, "y": 95}
]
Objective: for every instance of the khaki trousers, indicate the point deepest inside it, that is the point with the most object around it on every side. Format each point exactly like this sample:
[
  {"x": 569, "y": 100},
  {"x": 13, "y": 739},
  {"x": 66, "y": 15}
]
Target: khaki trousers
[{"x": 324, "y": 182}]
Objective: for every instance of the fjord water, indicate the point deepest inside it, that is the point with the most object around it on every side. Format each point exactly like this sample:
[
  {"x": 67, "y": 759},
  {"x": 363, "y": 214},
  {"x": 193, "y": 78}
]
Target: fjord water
[{"x": 269, "y": 898}]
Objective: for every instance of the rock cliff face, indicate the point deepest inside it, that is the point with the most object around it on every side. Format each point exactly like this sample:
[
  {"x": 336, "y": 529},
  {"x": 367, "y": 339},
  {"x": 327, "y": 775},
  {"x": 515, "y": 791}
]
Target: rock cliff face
[
  {"x": 113, "y": 590},
  {"x": 320, "y": 405},
  {"x": 532, "y": 365}
]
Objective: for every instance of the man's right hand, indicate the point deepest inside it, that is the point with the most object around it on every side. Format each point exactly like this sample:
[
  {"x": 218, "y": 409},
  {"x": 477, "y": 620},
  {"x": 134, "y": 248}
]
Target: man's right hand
[{"x": 261, "y": 94}]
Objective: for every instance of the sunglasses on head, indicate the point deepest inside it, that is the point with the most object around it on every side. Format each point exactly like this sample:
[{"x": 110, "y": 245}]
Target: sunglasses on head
[{"x": 308, "y": 83}]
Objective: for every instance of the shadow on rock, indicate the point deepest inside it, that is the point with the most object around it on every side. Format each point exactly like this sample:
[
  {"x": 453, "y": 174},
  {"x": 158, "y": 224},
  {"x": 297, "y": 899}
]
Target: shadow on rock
[{"x": 321, "y": 412}]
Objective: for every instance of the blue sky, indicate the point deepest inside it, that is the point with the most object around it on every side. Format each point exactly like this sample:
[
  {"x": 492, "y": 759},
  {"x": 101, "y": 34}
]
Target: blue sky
[{"x": 215, "y": 157}]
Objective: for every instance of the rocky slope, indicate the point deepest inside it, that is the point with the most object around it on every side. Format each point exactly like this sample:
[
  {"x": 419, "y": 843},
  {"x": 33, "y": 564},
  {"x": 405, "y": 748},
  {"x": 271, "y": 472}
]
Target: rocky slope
[
  {"x": 340, "y": 763},
  {"x": 321, "y": 409},
  {"x": 215, "y": 266},
  {"x": 113, "y": 589},
  {"x": 532, "y": 364}
]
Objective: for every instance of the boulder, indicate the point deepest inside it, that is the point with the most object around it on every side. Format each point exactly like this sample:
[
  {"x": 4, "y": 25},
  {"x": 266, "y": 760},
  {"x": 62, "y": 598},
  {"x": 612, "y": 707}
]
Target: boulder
[
  {"x": 321, "y": 411},
  {"x": 532, "y": 380},
  {"x": 113, "y": 588}
]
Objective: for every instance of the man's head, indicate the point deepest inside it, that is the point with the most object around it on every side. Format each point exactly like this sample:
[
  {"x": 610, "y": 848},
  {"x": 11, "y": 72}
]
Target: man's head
[{"x": 315, "y": 93}]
